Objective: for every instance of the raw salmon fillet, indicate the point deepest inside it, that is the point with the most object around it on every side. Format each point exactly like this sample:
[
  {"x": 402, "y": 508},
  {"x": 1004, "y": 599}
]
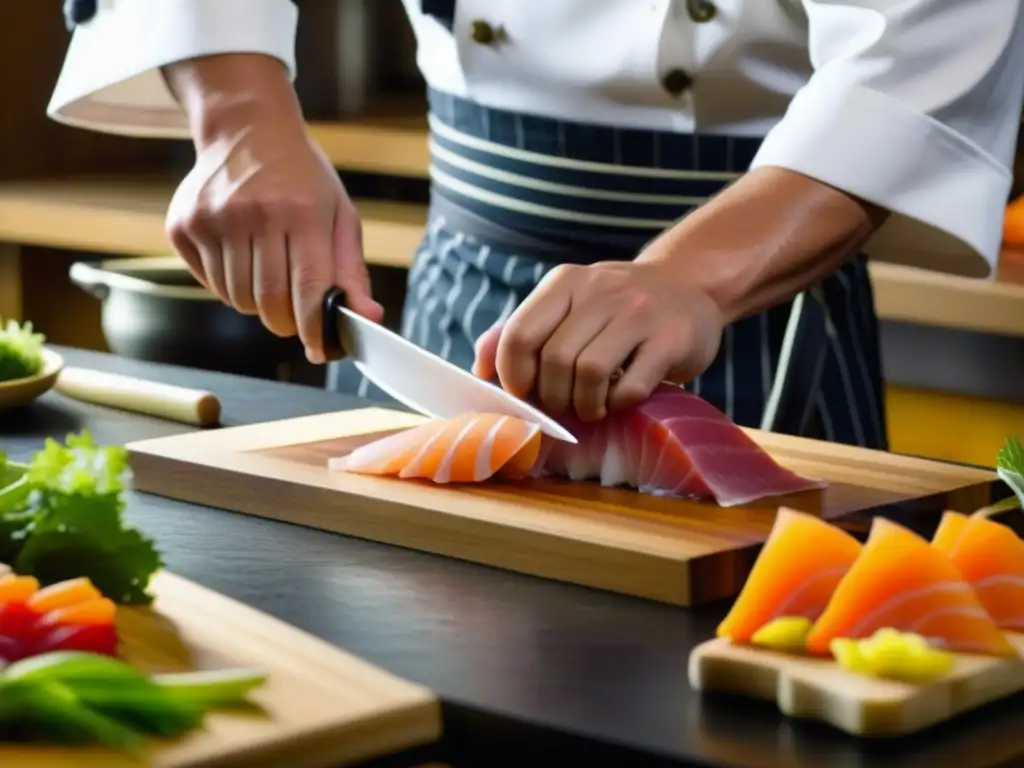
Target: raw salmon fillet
[
  {"x": 901, "y": 581},
  {"x": 991, "y": 558},
  {"x": 798, "y": 569},
  {"x": 674, "y": 444},
  {"x": 469, "y": 448}
]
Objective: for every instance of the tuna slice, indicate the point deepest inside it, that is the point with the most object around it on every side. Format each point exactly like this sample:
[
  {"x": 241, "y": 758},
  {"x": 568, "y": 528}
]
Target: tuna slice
[{"x": 674, "y": 444}]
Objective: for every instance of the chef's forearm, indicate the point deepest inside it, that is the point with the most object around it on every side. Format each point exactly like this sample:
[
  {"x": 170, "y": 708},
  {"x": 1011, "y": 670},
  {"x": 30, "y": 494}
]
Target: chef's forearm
[
  {"x": 764, "y": 239},
  {"x": 223, "y": 92}
]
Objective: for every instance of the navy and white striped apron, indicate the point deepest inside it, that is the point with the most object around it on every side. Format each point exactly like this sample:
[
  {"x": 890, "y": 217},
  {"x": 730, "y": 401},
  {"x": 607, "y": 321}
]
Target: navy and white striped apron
[{"x": 514, "y": 195}]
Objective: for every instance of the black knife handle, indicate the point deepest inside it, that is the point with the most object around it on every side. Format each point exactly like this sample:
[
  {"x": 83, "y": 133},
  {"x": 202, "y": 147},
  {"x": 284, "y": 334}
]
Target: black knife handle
[{"x": 333, "y": 301}]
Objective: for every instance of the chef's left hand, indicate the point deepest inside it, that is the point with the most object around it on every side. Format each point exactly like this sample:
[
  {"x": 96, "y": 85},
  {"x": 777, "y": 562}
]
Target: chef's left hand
[{"x": 583, "y": 326}]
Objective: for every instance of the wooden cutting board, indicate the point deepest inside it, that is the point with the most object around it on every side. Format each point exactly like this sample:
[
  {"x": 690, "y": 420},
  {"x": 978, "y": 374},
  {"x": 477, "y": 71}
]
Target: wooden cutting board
[
  {"x": 818, "y": 689},
  {"x": 680, "y": 552},
  {"x": 322, "y": 707}
]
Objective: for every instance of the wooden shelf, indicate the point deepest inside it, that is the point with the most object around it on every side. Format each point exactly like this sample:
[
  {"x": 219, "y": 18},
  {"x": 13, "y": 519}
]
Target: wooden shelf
[
  {"x": 910, "y": 295},
  {"x": 390, "y": 139},
  {"x": 125, "y": 215}
]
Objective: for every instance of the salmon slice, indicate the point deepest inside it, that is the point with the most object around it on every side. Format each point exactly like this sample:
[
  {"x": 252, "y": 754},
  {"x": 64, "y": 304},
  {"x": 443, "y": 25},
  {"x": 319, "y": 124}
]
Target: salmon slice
[
  {"x": 388, "y": 455},
  {"x": 951, "y": 528},
  {"x": 469, "y": 448},
  {"x": 799, "y": 567},
  {"x": 901, "y": 581},
  {"x": 991, "y": 558},
  {"x": 472, "y": 448}
]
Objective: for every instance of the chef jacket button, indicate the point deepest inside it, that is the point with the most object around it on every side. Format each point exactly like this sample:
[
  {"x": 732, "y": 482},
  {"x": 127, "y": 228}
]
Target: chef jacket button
[
  {"x": 676, "y": 81},
  {"x": 485, "y": 34},
  {"x": 701, "y": 10}
]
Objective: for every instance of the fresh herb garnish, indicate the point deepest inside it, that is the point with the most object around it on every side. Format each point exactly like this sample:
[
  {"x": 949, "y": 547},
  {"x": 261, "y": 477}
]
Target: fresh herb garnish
[
  {"x": 1010, "y": 466},
  {"x": 76, "y": 697},
  {"x": 62, "y": 518},
  {"x": 21, "y": 351}
]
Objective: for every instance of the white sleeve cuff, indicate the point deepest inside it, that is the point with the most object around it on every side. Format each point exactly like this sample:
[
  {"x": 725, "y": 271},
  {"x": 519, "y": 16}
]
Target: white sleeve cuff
[
  {"x": 111, "y": 79},
  {"x": 946, "y": 194}
]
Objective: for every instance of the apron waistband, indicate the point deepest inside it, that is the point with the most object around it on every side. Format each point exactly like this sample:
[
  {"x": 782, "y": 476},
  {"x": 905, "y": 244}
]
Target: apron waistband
[{"x": 573, "y": 185}]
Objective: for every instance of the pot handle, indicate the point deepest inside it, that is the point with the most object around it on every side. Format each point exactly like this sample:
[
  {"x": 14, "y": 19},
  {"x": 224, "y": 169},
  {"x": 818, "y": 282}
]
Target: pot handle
[{"x": 90, "y": 279}]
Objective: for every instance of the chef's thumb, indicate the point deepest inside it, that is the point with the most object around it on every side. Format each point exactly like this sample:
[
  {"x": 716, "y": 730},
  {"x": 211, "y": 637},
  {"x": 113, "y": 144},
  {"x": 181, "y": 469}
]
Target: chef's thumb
[
  {"x": 486, "y": 349},
  {"x": 350, "y": 272}
]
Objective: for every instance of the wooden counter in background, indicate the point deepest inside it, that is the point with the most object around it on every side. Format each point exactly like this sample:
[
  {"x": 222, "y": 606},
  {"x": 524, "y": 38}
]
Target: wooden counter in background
[{"x": 125, "y": 215}]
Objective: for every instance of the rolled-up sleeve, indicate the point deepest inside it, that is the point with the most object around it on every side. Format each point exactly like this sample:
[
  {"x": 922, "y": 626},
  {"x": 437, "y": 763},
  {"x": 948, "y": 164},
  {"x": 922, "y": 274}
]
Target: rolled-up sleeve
[
  {"x": 111, "y": 79},
  {"x": 914, "y": 105}
]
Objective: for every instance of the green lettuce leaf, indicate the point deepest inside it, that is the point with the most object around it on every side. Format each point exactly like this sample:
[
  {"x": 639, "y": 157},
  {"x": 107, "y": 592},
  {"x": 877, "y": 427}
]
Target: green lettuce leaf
[
  {"x": 1010, "y": 466},
  {"x": 64, "y": 519}
]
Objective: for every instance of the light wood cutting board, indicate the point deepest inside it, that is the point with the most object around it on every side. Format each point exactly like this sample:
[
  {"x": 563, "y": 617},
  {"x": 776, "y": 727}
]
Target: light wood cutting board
[
  {"x": 675, "y": 551},
  {"x": 818, "y": 689},
  {"x": 322, "y": 707}
]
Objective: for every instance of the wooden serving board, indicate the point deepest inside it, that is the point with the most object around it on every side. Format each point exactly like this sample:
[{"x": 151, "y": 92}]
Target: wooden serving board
[
  {"x": 680, "y": 552},
  {"x": 818, "y": 689},
  {"x": 321, "y": 707}
]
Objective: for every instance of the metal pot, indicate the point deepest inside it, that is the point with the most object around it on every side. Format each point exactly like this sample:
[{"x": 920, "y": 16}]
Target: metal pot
[{"x": 154, "y": 310}]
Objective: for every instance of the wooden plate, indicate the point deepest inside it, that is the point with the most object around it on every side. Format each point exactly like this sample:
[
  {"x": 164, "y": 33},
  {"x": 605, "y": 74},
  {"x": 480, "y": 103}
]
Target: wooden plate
[
  {"x": 23, "y": 391},
  {"x": 321, "y": 706}
]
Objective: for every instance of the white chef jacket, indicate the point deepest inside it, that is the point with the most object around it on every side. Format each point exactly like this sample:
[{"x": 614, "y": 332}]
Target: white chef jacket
[{"x": 911, "y": 104}]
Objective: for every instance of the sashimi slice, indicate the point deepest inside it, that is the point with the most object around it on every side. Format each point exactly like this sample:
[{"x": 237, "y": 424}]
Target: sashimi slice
[
  {"x": 901, "y": 581},
  {"x": 469, "y": 448},
  {"x": 799, "y": 567},
  {"x": 991, "y": 558},
  {"x": 472, "y": 448},
  {"x": 388, "y": 455},
  {"x": 951, "y": 528},
  {"x": 674, "y": 444}
]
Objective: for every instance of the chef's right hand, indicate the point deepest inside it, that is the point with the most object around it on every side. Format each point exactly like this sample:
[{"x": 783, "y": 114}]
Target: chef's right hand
[{"x": 262, "y": 219}]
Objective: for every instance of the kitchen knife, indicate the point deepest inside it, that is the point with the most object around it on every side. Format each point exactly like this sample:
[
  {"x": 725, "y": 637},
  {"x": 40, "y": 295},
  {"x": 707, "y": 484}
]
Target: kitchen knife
[{"x": 415, "y": 377}]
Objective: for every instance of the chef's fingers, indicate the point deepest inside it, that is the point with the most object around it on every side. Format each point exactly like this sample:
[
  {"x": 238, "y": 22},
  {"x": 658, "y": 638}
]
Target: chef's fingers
[
  {"x": 565, "y": 364},
  {"x": 180, "y": 224},
  {"x": 271, "y": 282},
  {"x": 645, "y": 371},
  {"x": 350, "y": 271},
  {"x": 185, "y": 248},
  {"x": 238, "y": 258},
  {"x": 485, "y": 350},
  {"x": 601, "y": 362},
  {"x": 528, "y": 329},
  {"x": 312, "y": 275},
  {"x": 196, "y": 233},
  {"x": 213, "y": 265}
]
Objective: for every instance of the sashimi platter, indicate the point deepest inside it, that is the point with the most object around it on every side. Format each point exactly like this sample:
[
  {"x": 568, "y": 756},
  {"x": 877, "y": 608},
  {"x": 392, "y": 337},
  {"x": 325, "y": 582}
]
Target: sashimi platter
[{"x": 880, "y": 638}]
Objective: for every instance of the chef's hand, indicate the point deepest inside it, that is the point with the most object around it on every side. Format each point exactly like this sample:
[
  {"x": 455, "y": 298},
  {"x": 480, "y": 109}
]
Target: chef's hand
[
  {"x": 582, "y": 326},
  {"x": 262, "y": 219}
]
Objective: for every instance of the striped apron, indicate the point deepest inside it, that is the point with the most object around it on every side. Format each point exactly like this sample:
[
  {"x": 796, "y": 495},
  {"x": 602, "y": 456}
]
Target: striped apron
[{"x": 513, "y": 195}]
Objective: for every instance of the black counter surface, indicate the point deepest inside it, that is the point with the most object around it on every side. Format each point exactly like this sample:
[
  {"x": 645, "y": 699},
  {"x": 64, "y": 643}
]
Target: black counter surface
[{"x": 530, "y": 672}]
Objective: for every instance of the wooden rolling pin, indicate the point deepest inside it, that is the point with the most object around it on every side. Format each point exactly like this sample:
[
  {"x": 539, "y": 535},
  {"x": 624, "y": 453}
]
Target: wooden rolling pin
[{"x": 189, "y": 406}]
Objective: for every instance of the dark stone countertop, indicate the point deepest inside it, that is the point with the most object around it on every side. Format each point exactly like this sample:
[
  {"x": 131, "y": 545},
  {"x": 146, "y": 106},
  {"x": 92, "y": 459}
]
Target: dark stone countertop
[{"x": 530, "y": 671}]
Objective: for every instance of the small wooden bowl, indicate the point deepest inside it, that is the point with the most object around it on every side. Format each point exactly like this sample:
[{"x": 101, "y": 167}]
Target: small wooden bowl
[{"x": 23, "y": 391}]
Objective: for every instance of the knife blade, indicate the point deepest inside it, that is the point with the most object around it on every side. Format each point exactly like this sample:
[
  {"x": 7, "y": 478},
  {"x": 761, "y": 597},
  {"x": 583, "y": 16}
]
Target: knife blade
[{"x": 415, "y": 377}]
